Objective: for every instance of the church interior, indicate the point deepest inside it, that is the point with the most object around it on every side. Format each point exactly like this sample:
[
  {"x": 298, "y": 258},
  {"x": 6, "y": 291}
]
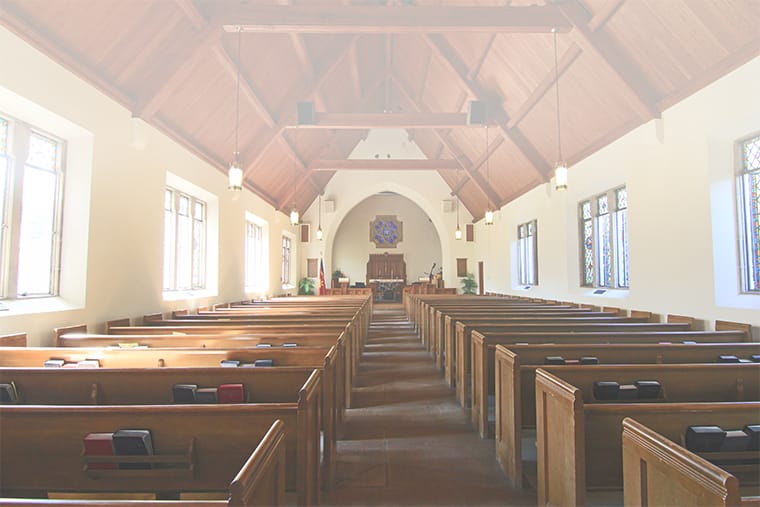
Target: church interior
[{"x": 417, "y": 195}]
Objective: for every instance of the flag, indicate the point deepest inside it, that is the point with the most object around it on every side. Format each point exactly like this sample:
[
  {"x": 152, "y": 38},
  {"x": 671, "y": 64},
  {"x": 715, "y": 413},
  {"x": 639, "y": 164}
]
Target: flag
[{"x": 322, "y": 288}]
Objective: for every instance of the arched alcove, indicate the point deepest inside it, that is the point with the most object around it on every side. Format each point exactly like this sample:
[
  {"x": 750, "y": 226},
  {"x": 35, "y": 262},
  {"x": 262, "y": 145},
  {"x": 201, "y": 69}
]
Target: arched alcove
[{"x": 420, "y": 243}]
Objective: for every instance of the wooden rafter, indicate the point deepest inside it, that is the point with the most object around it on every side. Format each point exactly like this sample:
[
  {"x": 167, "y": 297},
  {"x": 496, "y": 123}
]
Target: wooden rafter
[
  {"x": 473, "y": 74},
  {"x": 442, "y": 48},
  {"x": 386, "y": 120},
  {"x": 381, "y": 164},
  {"x": 387, "y": 19},
  {"x": 605, "y": 49},
  {"x": 65, "y": 55}
]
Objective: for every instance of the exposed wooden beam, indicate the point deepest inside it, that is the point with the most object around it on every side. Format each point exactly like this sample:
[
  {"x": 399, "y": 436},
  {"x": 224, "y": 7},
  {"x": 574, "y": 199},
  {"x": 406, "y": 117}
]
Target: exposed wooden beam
[
  {"x": 643, "y": 94},
  {"x": 246, "y": 87},
  {"x": 354, "y": 70},
  {"x": 496, "y": 112},
  {"x": 546, "y": 84},
  {"x": 604, "y": 14},
  {"x": 387, "y": 120},
  {"x": 475, "y": 167},
  {"x": 176, "y": 71},
  {"x": 386, "y": 19},
  {"x": 56, "y": 49},
  {"x": 473, "y": 74},
  {"x": 381, "y": 164},
  {"x": 190, "y": 10},
  {"x": 307, "y": 91},
  {"x": 387, "y": 107}
]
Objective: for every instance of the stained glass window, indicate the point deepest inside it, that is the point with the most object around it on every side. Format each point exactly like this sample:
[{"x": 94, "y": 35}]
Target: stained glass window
[
  {"x": 527, "y": 258},
  {"x": 749, "y": 213},
  {"x": 604, "y": 240},
  {"x": 286, "y": 260}
]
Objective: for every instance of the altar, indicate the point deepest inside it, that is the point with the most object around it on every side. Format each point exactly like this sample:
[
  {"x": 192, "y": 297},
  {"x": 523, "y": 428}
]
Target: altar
[{"x": 386, "y": 275}]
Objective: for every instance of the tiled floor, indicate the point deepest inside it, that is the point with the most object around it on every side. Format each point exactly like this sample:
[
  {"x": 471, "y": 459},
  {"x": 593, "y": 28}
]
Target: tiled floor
[{"x": 407, "y": 441}]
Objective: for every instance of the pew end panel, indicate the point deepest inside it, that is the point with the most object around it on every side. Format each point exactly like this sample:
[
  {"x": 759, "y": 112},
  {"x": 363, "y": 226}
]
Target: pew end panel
[
  {"x": 724, "y": 325},
  {"x": 509, "y": 415},
  {"x": 58, "y": 332},
  {"x": 657, "y": 471},
  {"x": 559, "y": 432},
  {"x": 13, "y": 340},
  {"x": 122, "y": 322}
]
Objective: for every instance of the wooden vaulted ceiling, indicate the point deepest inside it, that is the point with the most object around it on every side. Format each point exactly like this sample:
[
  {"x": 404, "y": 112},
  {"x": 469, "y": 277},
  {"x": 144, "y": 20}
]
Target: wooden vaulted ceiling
[{"x": 413, "y": 64}]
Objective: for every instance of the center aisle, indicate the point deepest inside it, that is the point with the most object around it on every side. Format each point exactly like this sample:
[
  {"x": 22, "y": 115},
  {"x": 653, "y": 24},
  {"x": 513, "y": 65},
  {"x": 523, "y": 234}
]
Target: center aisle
[{"x": 407, "y": 441}]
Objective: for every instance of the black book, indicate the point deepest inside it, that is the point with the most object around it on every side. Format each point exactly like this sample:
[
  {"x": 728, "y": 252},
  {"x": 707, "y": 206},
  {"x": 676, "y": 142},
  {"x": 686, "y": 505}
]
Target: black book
[
  {"x": 129, "y": 442},
  {"x": 704, "y": 438},
  {"x": 263, "y": 362},
  {"x": 606, "y": 390},
  {"x": 648, "y": 388},
  {"x": 554, "y": 360},
  {"x": 184, "y": 393},
  {"x": 589, "y": 360},
  {"x": 8, "y": 393}
]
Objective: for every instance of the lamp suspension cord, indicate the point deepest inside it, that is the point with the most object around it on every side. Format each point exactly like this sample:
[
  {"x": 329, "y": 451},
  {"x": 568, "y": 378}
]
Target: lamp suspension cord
[
  {"x": 556, "y": 88},
  {"x": 237, "y": 95},
  {"x": 488, "y": 172}
]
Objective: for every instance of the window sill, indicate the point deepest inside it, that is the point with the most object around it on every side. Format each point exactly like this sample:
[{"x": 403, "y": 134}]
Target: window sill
[
  {"x": 36, "y": 305},
  {"x": 602, "y": 292},
  {"x": 523, "y": 287},
  {"x": 177, "y": 295},
  {"x": 288, "y": 286}
]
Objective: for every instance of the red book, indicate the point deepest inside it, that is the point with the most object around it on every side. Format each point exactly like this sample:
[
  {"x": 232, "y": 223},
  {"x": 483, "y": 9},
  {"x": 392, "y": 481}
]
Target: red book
[
  {"x": 99, "y": 444},
  {"x": 231, "y": 393}
]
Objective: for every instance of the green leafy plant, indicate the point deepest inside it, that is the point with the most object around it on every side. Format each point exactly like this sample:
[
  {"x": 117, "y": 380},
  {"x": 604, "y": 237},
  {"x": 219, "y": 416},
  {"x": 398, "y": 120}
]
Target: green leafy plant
[
  {"x": 338, "y": 274},
  {"x": 305, "y": 286},
  {"x": 469, "y": 285}
]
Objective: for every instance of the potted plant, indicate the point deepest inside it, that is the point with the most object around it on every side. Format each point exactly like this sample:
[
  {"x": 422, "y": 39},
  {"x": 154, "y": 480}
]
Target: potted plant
[
  {"x": 337, "y": 277},
  {"x": 469, "y": 285},
  {"x": 305, "y": 286}
]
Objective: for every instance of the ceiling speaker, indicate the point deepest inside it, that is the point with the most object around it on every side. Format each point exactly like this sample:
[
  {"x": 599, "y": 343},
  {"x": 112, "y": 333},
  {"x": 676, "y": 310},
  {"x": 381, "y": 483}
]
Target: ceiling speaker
[
  {"x": 305, "y": 113},
  {"x": 476, "y": 115}
]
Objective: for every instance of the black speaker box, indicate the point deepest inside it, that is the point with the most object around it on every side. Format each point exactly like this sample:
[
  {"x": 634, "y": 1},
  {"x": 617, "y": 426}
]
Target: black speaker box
[{"x": 306, "y": 114}]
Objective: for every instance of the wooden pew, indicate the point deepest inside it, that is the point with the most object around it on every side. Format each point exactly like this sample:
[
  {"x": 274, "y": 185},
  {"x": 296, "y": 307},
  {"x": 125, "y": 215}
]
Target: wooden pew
[
  {"x": 13, "y": 340},
  {"x": 288, "y": 393},
  {"x": 515, "y": 389},
  {"x": 322, "y": 358},
  {"x": 53, "y": 461},
  {"x": 224, "y": 341},
  {"x": 579, "y": 439},
  {"x": 658, "y": 471},
  {"x": 482, "y": 357},
  {"x": 563, "y": 330}
]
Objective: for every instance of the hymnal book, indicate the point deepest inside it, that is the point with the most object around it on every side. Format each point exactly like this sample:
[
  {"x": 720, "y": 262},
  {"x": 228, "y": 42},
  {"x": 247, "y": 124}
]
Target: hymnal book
[
  {"x": 290, "y": 345},
  {"x": 589, "y": 360},
  {"x": 184, "y": 393},
  {"x": 606, "y": 390},
  {"x": 648, "y": 388},
  {"x": 133, "y": 443},
  {"x": 69, "y": 365},
  {"x": 704, "y": 438},
  {"x": 88, "y": 363},
  {"x": 231, "y": 393},
  {"x": 753, "y": 430},
  {"x": 8, "y": 393},
  {"x": 628, "y": 392},
  {"x": 263, "y": 345},
  {"x": 263, "y": 362},
  {"x": 554, "y": 360},
  {"x": 206, "y": 395},
  {"x": 99, "y": 444},
  {"x": 54, "y": 363},
  {"x": 728, "y": 359},
  {"x": 735, "y": 441},
  {"x": 229, "y": 363}
]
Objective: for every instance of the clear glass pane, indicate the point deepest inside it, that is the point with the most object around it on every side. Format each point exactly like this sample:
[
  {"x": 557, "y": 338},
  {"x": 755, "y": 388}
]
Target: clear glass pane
[
  {"x": 621, "y": 248},
  {"x": 588, "y": 253},
  {"x": 586, "y": 209},
  {"x": 183, "y": 207},
  {"x": 169, "y": 237},
  {"x": 200, "y": 209},
  {"x": 42, "y": 152},
  {"x": 530, "y": 228},
  {"x": 184, "y": 252},
  {"x": 530, "y": 270},
  {"x": 199, "y": 254},
  {"x": 3, "y": 136},
  {"x": 521, "y": 261},
  {"x": 521, "y": 231},
  {"x": 601, "y": 205},
  {"x": 752, "y": 154},
  {"x": 604, "y": 251},
  {"x": 168, "y": 200},
  {"x": 621, "y": 194},
  {"x": 3, "y": 180},
  {"x": 36, "y": 234}
]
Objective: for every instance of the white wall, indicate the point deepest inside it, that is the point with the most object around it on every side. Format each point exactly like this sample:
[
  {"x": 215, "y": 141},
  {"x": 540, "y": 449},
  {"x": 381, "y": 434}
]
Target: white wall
[
  {"x": 124, "y": 197},
  {"x": 680, "y": 176},
  {"x": 420, "y": 244}
]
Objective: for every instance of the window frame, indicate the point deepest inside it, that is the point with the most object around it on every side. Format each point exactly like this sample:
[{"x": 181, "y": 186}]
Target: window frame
[
  {"x": 749, "y": 254},
  {"x": 286, "y": 269},
  {"x": 527, "y": 234},
  {"x": 193, "y": 201},
  {"x": 19, "y": 134},
  {"x": 611, "y": 214},
  {"x": 256, "y": 267}
]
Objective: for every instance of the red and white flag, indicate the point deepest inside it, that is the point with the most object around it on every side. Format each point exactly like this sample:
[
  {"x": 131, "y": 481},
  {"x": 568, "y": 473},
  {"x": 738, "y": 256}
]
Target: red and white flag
[{"x": 322, "y": 288}]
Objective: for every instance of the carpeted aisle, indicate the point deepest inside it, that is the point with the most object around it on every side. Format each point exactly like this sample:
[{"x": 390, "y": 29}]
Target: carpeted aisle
[{"x": 407, "y": 441}]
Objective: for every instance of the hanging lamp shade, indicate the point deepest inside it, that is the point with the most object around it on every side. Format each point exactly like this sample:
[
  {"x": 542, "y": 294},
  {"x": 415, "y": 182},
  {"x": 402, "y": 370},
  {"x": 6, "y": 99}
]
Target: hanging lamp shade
[
  {"x": 560, "y": 177},
  {"x": 294, "y": 217},
  {"x": 319, "y": 233},
  {"x": 458, "y": 233},
  {"x": 489, "y": 217},
  {"x": 235, "y": 177}
]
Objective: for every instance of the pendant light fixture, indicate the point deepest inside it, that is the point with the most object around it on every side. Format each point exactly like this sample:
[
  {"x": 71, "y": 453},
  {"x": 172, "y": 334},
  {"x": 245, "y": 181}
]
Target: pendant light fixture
[
  {"x": 560, "y": 170},
  {"x": 294, "y": 218},
  {"x": 489, "y": 212},
  {"x": 319, "y": 217},
  {"x": 235, "y": 173}
]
